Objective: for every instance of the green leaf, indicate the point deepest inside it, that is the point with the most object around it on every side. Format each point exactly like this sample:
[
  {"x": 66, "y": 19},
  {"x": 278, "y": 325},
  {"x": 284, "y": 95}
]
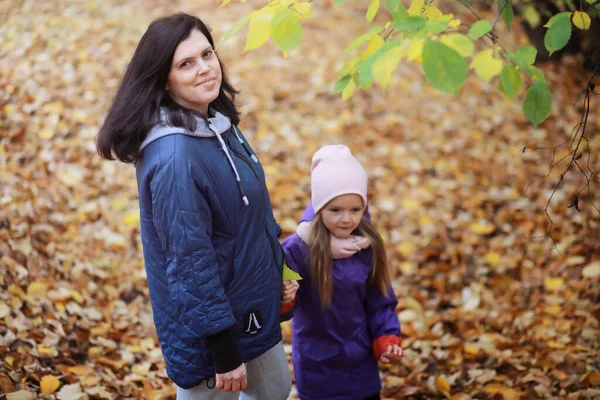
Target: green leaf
[
  {"x": 434, "y": 27},
  {"x": 527, "y": 54},
  {"x": 464, "y": 1},
  {"x": 444, "y": 68},
  {"x": 558, "y": 17},
  {"x": 289, "y": 274},
  {"x": 224, "y": 3},
  {"x": 363, "y": 38},
  {"x": 365, "y": 76},
  {"x": 507, "y": 12},
  {"x": 459, "y": 42},
  {"x": 350, "y": 67},
  {"x": 397, "y": 9},
  {"x": 537, "y": 74},
  {"x": 558, "y": 34},
  {"x": 479, "y": 29},
  {"x": 341, "y": 84},
  {"x": 372, "y": 10},
  {"x": 536, "y": 105},
  {"x": 235, "y": 28},
  {"x": 510, "y": 81},
  {"x": 411, "y": 23},
  {"x": 339, "y": 1},
  {"x": 286, "y": 30}
]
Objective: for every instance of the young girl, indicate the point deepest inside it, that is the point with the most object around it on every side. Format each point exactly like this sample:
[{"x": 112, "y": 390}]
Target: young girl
[{"x": 344, "y": 312}]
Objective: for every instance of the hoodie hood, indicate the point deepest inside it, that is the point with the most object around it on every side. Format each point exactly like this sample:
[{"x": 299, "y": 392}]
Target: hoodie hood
[
  {"x": 215, "y": 127},
  {"x": 219, "y": 123}
]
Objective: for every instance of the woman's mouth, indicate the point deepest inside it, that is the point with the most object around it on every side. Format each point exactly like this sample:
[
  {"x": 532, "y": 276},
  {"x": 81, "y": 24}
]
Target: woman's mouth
[{"x": 207, "y": 82}]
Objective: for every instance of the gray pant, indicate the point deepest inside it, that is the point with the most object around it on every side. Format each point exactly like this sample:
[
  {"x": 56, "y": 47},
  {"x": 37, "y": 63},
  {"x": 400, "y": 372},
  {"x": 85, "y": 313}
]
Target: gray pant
[{"x": 268, "y": 379}]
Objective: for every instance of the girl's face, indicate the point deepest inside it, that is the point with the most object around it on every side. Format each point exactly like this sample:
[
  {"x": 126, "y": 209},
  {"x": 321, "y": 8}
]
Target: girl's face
[
  {"x": 343, "y": 214},
  {"x": 195, "y": 77}
]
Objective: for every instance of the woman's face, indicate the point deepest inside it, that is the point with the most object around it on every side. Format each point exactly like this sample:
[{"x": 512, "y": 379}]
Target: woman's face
[
  {"x": 343, "y": 214},
  {"x": 195, "y": 77}
]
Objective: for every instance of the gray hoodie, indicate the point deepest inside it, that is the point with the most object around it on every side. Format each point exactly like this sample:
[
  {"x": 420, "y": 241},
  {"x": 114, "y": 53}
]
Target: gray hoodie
[{"x": 215, "y": 127}]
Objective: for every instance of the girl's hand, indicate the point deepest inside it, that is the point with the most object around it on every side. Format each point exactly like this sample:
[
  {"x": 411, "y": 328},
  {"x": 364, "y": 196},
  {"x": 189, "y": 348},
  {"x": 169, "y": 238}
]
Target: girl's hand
[
  {"x": 288, "y": 291},
  {"x": 392, "y": 353}
]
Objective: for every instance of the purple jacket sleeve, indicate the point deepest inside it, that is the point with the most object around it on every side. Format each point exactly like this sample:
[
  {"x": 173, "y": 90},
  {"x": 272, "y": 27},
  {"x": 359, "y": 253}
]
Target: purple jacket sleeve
[
  {"x": 309, "y": 213},
  {"x": 294, "y": 258},
  {"x": 381, "y": 313}
]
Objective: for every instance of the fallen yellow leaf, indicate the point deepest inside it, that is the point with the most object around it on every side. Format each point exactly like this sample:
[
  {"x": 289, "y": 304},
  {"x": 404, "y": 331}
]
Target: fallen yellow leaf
[
  {"x": 49, "y": 384},
  {"x": 553, "y": 284},
  {"x": 442, "y": 386}
]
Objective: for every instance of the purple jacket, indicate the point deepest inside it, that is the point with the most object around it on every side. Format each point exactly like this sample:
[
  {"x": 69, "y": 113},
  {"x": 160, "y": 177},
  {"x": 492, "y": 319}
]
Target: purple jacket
[{"x": 333, "y": 348}]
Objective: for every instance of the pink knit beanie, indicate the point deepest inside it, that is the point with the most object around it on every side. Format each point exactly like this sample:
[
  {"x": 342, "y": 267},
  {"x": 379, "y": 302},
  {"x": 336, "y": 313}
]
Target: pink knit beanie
[{"x": 336, "y": 172}]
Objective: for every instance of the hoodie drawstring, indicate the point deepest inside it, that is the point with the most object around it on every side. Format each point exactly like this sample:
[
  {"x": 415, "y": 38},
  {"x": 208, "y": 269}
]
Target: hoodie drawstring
[
  {"x": 237, "y": 176},
  {"x": 244, "y": 145}
]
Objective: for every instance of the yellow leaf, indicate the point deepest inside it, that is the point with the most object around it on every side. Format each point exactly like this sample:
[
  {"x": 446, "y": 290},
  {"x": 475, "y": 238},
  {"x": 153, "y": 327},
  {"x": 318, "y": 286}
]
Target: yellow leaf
[
  {"x": 461, "y": 43},
  {"x": 433, "y": 13},
  {"x": 385, "y": 65},
  {"x": 408, "y": 268},
  {"x": 406, "y": 248},
  {"x": 442, "y": 386},
  {"x": 470, "y": 349},
  {"x": 259, "y": 27},
  {"x": 225, "y": 2},
  {"x": 46, "y": 133},
  {"x": 415, "y": 50},
  {"x": 482, "y": 228},
  {"x": 80, "y": 370},
  {"x": 56, "y": 107},
  {"x": 37, "y": 289},
  {"x": 416, "y": 7},
  {"x": 552, "y": 284},
  {"x": 454, "y": 23},
  {"x": 486, "y": 66},
  {"x": 581, "y": 20},
  {"x": 411, "y": 204},
  {"x": 493, "y": 258},
  {"x": 372, "y": 10},
  {"x": 94, "y": 352},
  {"x": 9, "y": 361},
  {"x": 45, "y": 351},
  {"x": 555, "y": 345},
  {"x": 132, "y": 219},
  {"x": 349, "y": 90},
  {"x": 141, "y": 369},
  {"x": 303, "y": 9},
  {"x": 375, "y": 43},
  {"x": 148, "y": 344},
  {"x": 49, "y": 384},
  {"x": 136, "y": 349},
  {"x": 76, "y": 296}
]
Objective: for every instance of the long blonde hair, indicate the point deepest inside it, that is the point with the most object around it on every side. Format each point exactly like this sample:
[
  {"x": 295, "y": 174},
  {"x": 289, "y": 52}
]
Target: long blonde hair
[{"x": 321, "y": 263}]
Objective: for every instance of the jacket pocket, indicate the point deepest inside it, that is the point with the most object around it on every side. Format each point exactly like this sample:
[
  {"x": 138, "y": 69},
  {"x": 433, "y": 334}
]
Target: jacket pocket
[{"x": 318, "y": 367}]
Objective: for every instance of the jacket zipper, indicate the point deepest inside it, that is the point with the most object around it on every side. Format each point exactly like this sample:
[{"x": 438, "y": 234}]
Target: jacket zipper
[{"x": 238, "y": 155}]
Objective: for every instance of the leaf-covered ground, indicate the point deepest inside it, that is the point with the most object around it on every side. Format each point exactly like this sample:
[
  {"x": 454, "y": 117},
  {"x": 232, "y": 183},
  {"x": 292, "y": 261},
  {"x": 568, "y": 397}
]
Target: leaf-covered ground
[{"x": 486, "y": 310}]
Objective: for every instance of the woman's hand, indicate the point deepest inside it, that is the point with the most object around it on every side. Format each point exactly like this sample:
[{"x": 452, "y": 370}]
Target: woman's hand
[
  {"x": 392, "y": 353},
  {"x": 288, "y": 291},
  {"x": 233, "y": 381}
]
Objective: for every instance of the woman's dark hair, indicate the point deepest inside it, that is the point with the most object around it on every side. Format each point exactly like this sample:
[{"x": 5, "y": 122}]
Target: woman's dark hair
[{"x": 136, "y": 106}]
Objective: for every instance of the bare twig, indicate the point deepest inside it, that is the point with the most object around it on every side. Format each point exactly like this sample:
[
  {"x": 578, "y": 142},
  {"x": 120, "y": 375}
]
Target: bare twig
[{"x": 573, "y": 156}]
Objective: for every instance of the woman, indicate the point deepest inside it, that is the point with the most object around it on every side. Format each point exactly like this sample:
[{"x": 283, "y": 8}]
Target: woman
[{"x": 209, "y": 237}]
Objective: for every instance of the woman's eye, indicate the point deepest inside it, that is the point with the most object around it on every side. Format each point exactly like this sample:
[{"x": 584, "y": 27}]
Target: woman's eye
[
  {"x": 186, "y": 64},
  {"x": 208, "y": 54}
]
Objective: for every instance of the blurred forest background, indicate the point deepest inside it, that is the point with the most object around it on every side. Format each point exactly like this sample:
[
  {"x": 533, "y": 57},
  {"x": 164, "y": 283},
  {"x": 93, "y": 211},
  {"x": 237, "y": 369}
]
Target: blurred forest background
[{"x": 487, "y": 309}]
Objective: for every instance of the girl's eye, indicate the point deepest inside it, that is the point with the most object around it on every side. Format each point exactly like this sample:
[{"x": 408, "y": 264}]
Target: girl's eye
[
  {"x": 334, "y": 210},
  {"x": 356, "y": 210}
]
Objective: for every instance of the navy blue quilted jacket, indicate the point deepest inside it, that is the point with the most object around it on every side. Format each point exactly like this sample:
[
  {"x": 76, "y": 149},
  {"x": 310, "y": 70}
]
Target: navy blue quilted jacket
[{"x": 210, "y": 242}]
